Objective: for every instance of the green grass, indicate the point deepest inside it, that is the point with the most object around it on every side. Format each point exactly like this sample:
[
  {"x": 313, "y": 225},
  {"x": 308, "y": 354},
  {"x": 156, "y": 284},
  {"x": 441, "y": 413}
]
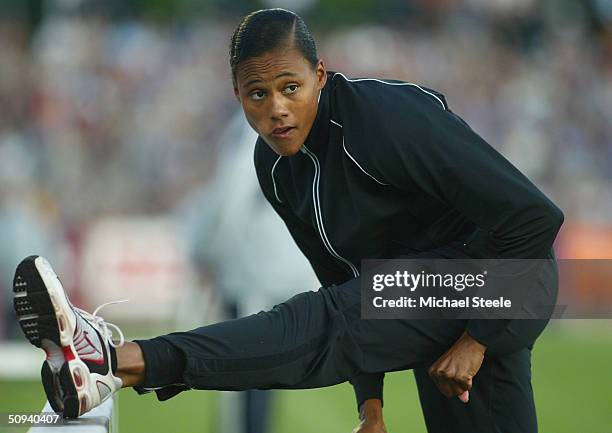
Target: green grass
[{"x": 572, "y": 379}]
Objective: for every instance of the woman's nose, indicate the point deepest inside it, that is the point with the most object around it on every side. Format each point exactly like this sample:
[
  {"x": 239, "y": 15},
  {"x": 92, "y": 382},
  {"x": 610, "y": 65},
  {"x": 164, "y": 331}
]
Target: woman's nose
[{"x": 278, "y": 108}]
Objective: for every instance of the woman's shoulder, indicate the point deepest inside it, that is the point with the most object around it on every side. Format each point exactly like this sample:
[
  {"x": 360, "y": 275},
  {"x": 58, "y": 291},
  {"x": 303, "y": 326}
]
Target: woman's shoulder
[
  {"x": 383, "y": 95},
  {"x": 375, "y": 109},
  {"x": 383, "y": 119}
]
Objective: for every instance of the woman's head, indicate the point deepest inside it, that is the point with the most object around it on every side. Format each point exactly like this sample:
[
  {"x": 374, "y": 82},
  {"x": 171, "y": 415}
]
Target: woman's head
[{"x": 277, "y": 77}]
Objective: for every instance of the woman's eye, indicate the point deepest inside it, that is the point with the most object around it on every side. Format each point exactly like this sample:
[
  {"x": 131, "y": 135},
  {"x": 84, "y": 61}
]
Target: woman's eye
[
  {"x": 257, "y": 95},
  {"x": 291, "y": 88}
]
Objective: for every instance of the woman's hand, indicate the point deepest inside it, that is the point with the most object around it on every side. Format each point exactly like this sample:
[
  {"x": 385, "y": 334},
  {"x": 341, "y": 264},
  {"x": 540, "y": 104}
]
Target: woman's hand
[
  {"x": 453, "y": 372},
  {"x": 371, "y": 417}
]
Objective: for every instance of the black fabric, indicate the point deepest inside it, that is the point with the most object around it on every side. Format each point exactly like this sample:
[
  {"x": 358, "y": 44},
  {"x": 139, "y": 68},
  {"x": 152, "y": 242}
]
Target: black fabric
[
  {"x": 399, "y": 174},
  {"x": 315, "y": 339},
  {"x": 501, "y": 399},
  {"x": 368, "y": 386},
  {"x": 164, "y": 368}
]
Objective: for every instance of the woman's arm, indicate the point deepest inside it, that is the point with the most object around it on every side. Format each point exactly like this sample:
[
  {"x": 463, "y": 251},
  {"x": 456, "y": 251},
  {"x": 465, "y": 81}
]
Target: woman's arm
[{"x": 409, "y": 139}]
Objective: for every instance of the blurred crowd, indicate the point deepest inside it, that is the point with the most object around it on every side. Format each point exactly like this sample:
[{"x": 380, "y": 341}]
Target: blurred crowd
[{"x": 121, "y": 116}]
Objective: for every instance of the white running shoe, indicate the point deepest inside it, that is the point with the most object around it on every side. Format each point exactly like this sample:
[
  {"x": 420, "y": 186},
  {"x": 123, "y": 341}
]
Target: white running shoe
[{"x": 77, "y": 374}]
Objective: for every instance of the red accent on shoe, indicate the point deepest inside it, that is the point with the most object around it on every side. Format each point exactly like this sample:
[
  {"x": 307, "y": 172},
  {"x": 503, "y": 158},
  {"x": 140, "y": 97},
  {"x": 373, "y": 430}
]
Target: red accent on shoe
[
  {"x": 98, "y": 361},
  {"x": 68, "y": 354},
  {"x": 84, "y": 346},
  {"x": 77, "y": 379}
]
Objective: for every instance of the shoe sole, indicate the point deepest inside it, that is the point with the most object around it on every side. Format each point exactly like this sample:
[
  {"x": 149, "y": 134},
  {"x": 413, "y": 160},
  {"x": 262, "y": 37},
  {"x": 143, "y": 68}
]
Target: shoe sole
[{"x": 44, "y": 314}]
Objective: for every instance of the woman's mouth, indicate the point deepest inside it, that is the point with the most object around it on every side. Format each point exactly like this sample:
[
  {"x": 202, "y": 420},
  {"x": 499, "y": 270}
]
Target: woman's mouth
[{"x": 283, "y": 132}]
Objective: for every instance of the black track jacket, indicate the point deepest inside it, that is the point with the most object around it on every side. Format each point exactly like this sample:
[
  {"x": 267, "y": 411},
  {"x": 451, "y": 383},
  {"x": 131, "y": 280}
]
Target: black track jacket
[{"x": 388, "y": 171}]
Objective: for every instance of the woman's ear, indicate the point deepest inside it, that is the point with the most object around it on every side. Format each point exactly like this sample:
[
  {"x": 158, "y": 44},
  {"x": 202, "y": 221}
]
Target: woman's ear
[
  {"x": 321, "y": 74},
  {"x": 236, "y": 92}
]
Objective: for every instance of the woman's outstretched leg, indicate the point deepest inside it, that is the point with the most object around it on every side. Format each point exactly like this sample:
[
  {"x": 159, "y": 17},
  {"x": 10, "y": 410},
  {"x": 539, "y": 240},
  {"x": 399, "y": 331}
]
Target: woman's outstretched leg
[{"x": 314, "y": 339}]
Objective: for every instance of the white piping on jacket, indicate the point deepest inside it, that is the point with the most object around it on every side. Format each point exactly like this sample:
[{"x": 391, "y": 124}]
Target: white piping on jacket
[
  {"x": 318, "y": 214},
  {"x": 274, "y": 181},
  {"x": 355, "y": 80},
  {"x": 354, "y": 160}
]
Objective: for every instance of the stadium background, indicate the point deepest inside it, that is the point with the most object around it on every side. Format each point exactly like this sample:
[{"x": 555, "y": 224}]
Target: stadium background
[{"x": 111, "y": 117}]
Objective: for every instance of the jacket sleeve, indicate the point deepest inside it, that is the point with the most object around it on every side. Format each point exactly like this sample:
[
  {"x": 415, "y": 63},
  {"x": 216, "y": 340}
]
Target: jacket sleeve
[
  {"x": 367, "y": 385},
  {"x": 414, "y": 143}
]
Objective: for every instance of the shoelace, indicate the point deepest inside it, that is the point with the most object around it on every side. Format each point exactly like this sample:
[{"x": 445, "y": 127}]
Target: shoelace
[{"x": 102, "y": 325}]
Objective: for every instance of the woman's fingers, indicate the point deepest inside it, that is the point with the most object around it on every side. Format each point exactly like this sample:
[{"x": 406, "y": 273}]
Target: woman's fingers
[{"x": 450, "y": 385}]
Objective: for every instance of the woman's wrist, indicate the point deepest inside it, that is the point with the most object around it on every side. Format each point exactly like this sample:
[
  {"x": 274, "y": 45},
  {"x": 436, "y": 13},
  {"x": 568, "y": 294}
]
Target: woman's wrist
[{"x": 371, "y": 409}]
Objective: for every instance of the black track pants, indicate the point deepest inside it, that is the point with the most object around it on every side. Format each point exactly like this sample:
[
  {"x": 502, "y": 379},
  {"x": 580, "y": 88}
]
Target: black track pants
[
  {"x": 314, "y": 339},
  {"x": 318, "y": 339}
]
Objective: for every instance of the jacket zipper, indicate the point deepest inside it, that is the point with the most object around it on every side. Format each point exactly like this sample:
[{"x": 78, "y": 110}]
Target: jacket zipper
[{"x": 319, "y": 214}]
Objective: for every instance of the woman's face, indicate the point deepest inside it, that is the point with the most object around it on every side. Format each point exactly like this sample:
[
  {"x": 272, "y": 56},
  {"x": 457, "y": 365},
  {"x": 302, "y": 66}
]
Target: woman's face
[{"x": 278, "y": 92}]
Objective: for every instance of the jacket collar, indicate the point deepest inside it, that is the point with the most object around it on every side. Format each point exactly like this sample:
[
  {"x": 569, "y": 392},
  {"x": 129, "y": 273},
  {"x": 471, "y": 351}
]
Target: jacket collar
[{"x": 319, "y": 133}]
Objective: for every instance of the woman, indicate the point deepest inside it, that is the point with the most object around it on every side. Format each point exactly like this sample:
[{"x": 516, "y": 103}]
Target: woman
[{"x": 357, "y": 169}]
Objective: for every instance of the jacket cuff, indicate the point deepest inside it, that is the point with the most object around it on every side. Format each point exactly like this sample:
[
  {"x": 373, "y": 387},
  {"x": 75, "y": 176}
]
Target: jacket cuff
[
  {"x": 488, "y": 332},
  {"x": 368, "y": 386}
]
